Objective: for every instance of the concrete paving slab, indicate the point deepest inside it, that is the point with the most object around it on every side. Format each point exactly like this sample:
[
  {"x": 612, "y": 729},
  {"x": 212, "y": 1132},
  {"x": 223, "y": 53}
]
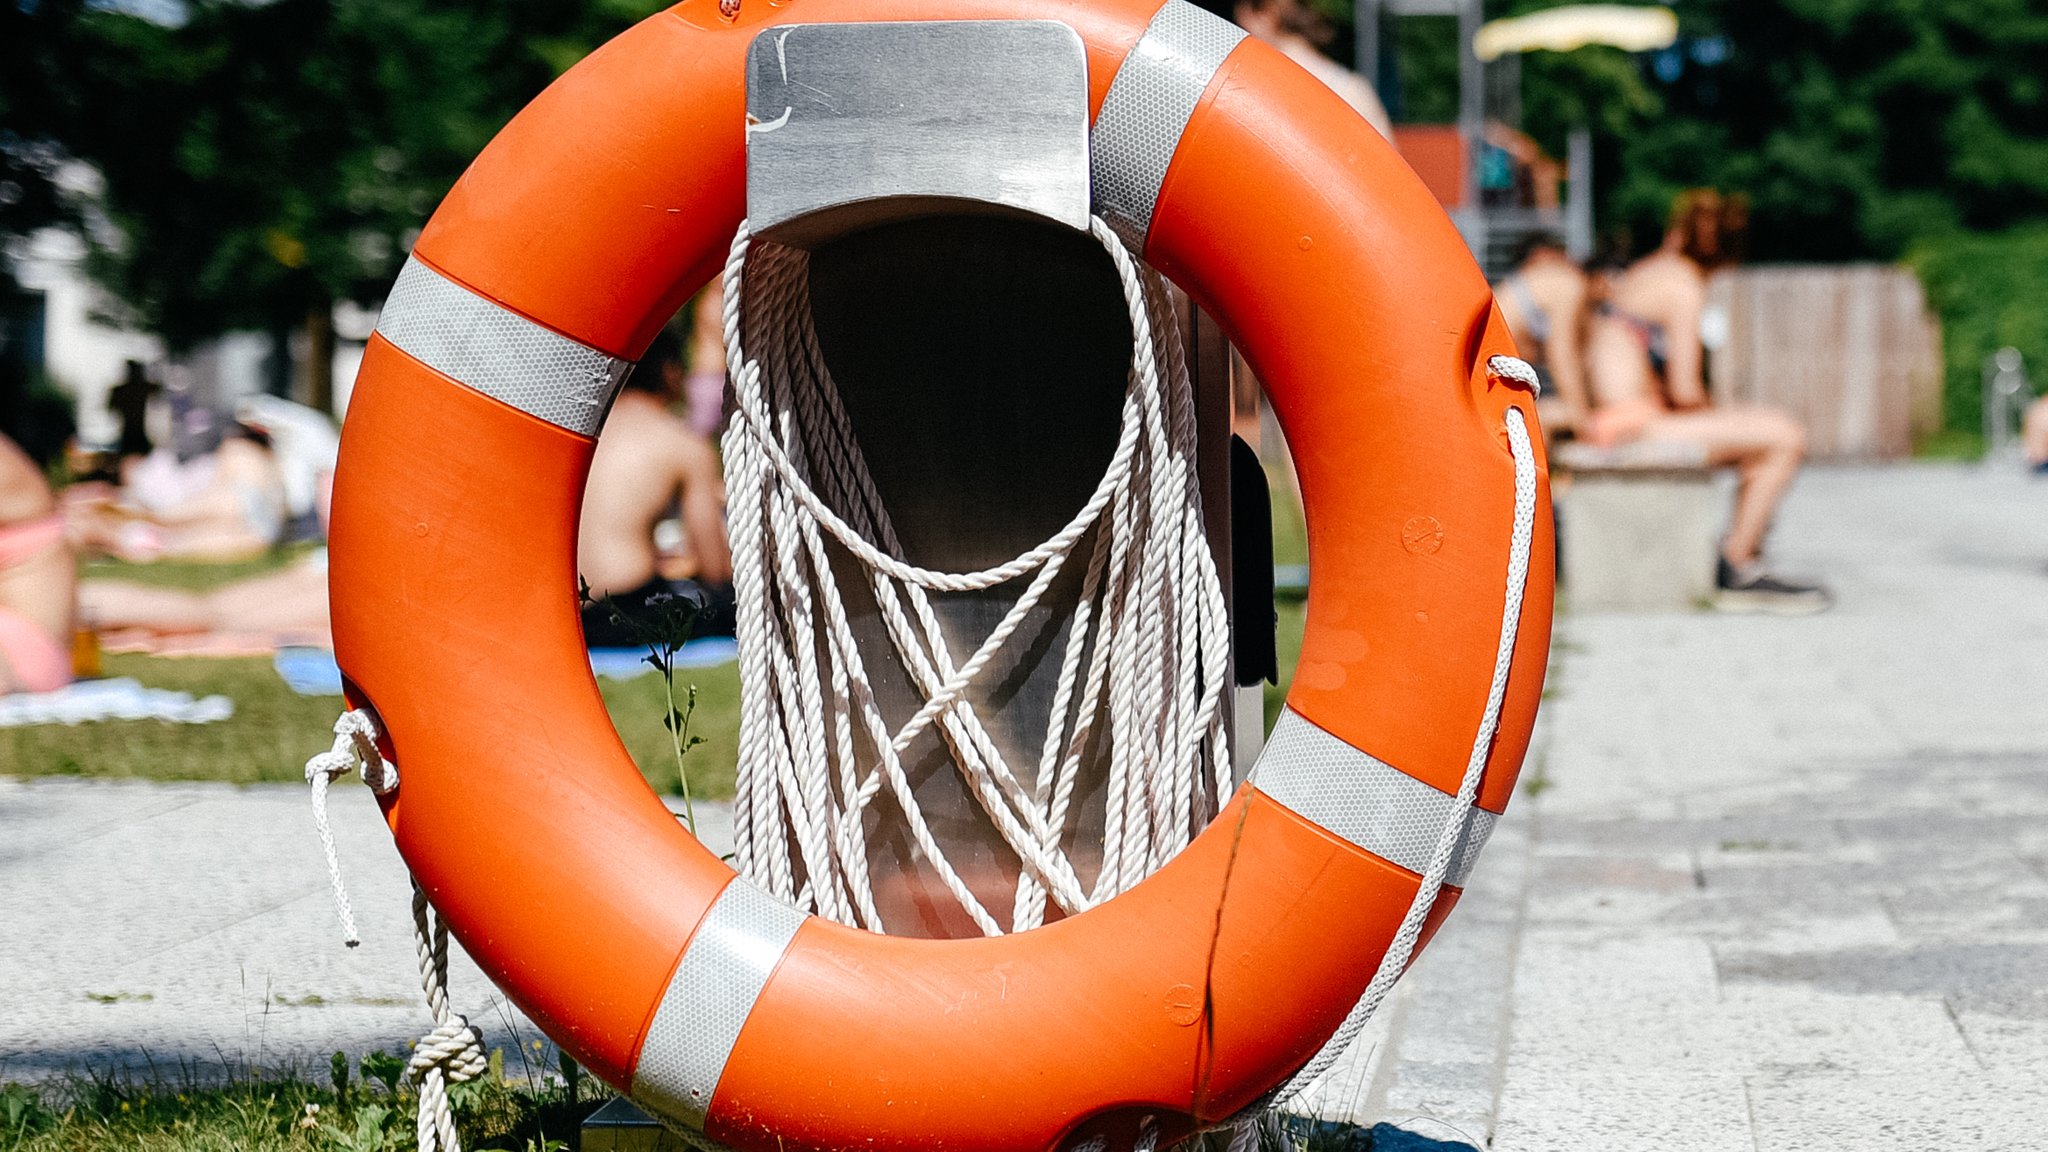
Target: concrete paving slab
[
  {"x": 1781, "y": 884},
  {"x": 190, "y": 926}
]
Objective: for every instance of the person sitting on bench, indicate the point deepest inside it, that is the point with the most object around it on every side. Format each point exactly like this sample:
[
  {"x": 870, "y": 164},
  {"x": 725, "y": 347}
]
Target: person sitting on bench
[
  {"x": 1645, "y": 363},
  {"x": 1544, "y": 302}
]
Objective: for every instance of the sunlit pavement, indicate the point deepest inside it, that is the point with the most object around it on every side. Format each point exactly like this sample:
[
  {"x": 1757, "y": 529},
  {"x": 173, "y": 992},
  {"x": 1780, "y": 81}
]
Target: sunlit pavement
[
  {"x": 1784, "y": 883},
  {"x": 156, "y": 929},
  {"x": 1785, "y": 886}
]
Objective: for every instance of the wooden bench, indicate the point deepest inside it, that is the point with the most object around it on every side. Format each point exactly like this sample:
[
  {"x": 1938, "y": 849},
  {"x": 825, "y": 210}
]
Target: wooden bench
[{"x": 1639, "y": 526}]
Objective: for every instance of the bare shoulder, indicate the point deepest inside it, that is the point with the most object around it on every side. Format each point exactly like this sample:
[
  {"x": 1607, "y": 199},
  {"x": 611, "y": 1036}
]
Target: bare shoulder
[
  {"x": 1558, "y": 282},
  {"x": 23, "y": 491},
  {"x": 691, "y": 449}
]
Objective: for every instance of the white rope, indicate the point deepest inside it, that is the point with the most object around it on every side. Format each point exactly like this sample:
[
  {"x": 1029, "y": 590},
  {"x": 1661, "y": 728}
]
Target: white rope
[
  {"x": 355, "y": 743},
  {"x": 1141, "y": 681},
  {"x": 453, "y": 1051},
  {"x": 1402, "y": 948}
]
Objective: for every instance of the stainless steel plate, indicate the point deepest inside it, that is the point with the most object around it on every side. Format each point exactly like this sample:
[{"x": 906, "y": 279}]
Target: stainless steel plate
[{"x": 856, "y": 124}]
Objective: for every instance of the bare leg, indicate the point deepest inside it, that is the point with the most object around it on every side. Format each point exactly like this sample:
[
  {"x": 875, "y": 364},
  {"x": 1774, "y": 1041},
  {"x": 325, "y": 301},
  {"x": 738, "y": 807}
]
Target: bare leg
[
  {"x": 1764, "y": 446},
  {"x": 116, "y": 604},
  {"x": 2034, "y": 432},
  {"x": 288, "y": 601}
]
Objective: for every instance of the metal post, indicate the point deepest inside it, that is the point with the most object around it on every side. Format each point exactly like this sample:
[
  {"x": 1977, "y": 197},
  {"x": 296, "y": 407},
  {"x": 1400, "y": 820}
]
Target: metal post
[
  {"x": 1472, "y": 122},
  {"x": 1578, "y": 204},
  {"x": 1365, "y": 41}
]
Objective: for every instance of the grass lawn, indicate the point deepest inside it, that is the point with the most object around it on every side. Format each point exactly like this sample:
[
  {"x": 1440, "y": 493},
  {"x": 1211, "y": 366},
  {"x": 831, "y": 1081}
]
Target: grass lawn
[
  {"x": 1290, "y": 546},
  {"x": 274, "y": 730},
  {"x": 367, "y": 1108},
  {"x": 193, "y": 576},
  {"x": 370, "y": 1108}
]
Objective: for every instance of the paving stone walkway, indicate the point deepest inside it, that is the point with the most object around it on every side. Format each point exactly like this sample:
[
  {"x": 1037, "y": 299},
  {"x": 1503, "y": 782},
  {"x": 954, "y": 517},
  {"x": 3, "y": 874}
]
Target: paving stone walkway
[
  {"x": 158, "y": 928},
  {"x": 1784, "y": 884},
  {"x": 1781, "y": 883}
]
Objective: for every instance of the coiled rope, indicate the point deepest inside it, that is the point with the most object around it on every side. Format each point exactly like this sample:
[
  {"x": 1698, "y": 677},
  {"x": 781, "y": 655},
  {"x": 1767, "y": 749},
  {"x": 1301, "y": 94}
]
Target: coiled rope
[
  {"x": 454, "y": 1050},
  {"x": 1141, "y": 681},
  {"x": 782, "y": 519}
]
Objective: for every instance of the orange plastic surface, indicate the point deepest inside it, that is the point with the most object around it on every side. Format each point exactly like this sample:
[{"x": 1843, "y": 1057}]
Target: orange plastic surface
[
  {"x": 454, "y": 600},
  {"x": 1352, "y": 296},
  {"x": 595, "y": 213}
]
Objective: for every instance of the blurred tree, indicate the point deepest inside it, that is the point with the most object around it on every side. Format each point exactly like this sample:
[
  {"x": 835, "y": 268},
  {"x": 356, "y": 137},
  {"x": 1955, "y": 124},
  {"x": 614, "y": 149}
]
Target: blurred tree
[
  {"x": 1856, "y": 126},
  {"x": 258, "y": 162},
  {"x": 31, "y": 197}
]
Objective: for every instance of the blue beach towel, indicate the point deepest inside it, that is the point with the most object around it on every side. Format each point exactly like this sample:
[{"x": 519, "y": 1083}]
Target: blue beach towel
[{"x": 312, "y": 671}]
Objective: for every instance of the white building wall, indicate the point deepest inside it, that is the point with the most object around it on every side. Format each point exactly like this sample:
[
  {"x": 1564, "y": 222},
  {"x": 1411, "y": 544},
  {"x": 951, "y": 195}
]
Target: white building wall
[
  {"x": 85, "y": 357},
  {"x": 82, "y": 355}
]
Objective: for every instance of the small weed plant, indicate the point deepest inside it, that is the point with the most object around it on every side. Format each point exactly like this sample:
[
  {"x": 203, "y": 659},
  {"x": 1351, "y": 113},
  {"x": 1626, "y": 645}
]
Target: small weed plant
[{"x": 662, "y": 624}]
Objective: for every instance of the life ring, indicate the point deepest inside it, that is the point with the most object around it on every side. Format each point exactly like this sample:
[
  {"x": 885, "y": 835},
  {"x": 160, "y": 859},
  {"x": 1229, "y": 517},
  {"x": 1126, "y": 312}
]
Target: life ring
[{"x": 554, "y": 261}]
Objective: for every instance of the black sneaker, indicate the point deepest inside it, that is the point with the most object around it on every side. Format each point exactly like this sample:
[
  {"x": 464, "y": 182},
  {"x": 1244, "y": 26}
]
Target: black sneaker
[{"x": 1755, "y": 590}]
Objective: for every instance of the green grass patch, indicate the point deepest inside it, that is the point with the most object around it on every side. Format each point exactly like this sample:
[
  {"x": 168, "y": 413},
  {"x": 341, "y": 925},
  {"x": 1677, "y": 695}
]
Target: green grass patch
[
  {"x": 1951, "y": 444},
  {"x": 1290, "y": 546},
  {"x": 195, "y": 576},
  {"x": 274, "y": 730},
  {"x": 1290, "y": 527},
  {"x": 270, "y": 736},
  {"x": 371, "y": 1108},
  {"x": 368, "y": 1107}
]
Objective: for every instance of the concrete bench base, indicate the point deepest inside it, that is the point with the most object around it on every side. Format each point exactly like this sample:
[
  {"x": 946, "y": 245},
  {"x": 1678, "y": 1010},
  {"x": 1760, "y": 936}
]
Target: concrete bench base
[{"x": 1640, "y": 540}]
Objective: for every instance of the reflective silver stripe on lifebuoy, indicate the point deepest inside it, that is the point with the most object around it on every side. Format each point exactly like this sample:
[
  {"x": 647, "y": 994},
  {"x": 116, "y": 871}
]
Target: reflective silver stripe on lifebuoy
[
  {"x": 1147, "y": 109},
  {"x": 500, "y": 353},
  {"x": 727, "y": 963},
  {"x": 1363, "y": 799}
]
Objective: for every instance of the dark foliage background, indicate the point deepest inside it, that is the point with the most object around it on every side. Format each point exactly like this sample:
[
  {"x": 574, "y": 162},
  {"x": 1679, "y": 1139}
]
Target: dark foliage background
[{"x": 258, "y": 161}]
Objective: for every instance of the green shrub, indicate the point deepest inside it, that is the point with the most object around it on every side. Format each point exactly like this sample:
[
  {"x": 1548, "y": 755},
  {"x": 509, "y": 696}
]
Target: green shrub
[{"x": 1991, "y": 291}]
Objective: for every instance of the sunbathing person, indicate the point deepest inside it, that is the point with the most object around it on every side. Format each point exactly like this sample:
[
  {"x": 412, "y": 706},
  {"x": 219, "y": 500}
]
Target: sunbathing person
[
  {"x": 1645, "y": 364},
  {"x": 38, "y": 578},
  {"x": 217, "y": 496},
  {"x": 1544, "y": 303},
  {"x": 648, "y": 460},
  {"x": 257, "y": 615}
]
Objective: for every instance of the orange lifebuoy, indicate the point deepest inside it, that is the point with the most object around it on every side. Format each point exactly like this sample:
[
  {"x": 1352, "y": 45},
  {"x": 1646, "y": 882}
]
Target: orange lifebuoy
[{"x": 551, "y": 265}]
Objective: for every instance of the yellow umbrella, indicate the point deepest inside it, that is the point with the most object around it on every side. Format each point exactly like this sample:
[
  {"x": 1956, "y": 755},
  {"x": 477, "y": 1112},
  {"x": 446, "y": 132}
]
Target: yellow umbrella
[{"x": 1624, "y": 26}]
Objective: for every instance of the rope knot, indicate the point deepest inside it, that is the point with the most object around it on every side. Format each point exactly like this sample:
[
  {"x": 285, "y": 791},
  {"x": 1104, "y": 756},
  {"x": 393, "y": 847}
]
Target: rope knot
[
  {"x": 355, "y": 744},
  {"x": 455, "y": 1049}
]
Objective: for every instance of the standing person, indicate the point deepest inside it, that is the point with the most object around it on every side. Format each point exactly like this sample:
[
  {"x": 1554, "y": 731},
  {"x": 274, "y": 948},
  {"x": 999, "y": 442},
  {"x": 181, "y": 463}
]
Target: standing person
[
  {"x": 129, "y": 401},
  {"x": 38, "y": 580},
  {"x": 1300, "y": 34},
  {"x": 1544, "y": 303},
  {"x": 647, "y": 461},
  {"x": 1645, "y": 362}
]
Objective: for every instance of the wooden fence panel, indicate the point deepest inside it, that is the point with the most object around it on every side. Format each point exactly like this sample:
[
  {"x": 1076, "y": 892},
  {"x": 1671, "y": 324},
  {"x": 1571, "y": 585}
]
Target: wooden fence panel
[{"x": 1851, "y": 350}]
